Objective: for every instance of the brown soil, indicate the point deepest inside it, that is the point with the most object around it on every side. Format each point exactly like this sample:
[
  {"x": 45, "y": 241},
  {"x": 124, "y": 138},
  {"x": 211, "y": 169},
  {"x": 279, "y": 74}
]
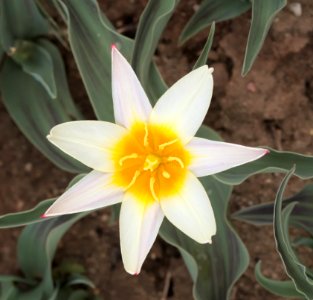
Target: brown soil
[{"x": 272, "y": 106}]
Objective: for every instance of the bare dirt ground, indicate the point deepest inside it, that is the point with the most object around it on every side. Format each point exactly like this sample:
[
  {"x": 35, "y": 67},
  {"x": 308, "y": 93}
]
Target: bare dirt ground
[{"x": 271, "y": 106}]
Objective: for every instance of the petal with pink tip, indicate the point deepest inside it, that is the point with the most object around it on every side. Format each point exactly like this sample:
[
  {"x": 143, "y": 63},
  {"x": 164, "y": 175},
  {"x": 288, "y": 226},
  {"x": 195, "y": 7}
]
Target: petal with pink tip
[
  {"x": 185, "y": 104},
  {"x": 210, "y": 157},
  {"x": 129, "y": 99},
  {"x": 94, "y": 191},
  {"x": 90, "y": 142},
  {"x": 190, "y": 211},
  {"x": 140, "y": 220}
]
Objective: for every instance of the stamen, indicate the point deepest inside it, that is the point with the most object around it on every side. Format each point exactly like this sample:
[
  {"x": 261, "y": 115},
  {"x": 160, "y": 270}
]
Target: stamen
[
  {"x": 126, "y": 157},
  {"x": 176, "y": 159},
  {"x": 145, "y": 139},
  {"x": 136, "y": 175},
  {"x": 166, "y": 175},
  {"x": 162, "y": 146},
  {"x": 152, "y": 182}
]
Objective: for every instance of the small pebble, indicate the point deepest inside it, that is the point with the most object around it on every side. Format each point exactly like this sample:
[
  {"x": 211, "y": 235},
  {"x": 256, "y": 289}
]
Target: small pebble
[
  {"x": 251, "y": 87},
  {"x": 295, "y": 8},
  {"x": 28, "y": 167}
]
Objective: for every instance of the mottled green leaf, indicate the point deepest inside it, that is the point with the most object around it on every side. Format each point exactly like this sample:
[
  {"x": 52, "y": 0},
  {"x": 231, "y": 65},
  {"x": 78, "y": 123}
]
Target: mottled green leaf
[
  {"x": 263, "y": 13},
  {"x": 20, "y": 20},
  {"x": 211, "y": 11},
  {"x": 280, "y": 288},
  {"x": 202, "y": 60},
  {"x": 151, "y": 25},
  {"x": 275, "y": 161},
  {"x": 34, "y": 112},
  {"x": 213, "y": 268},
  {"x": 295, "y": 270}
]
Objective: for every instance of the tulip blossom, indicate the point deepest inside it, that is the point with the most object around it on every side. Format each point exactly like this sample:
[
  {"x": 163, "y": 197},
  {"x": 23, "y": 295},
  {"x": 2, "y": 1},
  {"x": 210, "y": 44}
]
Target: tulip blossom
[{"x": 149, "y": 161}]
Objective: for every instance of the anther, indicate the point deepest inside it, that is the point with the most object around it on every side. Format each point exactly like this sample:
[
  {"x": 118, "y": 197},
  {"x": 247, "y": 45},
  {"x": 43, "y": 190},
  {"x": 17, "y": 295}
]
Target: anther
[
  {"x": 126, "y": 157},
  {"x": 162, "y": 146},
  {"x": 152, "y": 182},
  {"x": 145, "y": 139},
  {"x": 166, "y": 175},
  {"x": 136, "y": 175},
  {"x": 176, "y": 159}
]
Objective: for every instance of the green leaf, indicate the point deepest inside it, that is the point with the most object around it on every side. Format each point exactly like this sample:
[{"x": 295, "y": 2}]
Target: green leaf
[
  {"x": 32, "y": 215},
  {"x": 25, "y": 217},
  {"x": 37, "y": 245},
  {"x": 295, "y": 270},
  {"x": 214, "y": 268},
  {"x": 275, "y": 161},
  {"x": 79, "y": 279},
  {"x": 263, "y": 13},
  {"x": 37, "y": 62},
  {"x": 280, "y": 288},
  {"x": 91, "y": 36},
  {"x": 202, "y": 60},
  {"x": 213, "y": 11},
  {"x": 20, "y": 20},
  {"x": 34, "y": 112},
  {"x": 151, "y": 25},
  {"x": 301, "y": 216}
]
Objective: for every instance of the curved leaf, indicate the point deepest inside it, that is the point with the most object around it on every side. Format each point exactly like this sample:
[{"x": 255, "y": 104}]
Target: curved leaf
[
  {"x": 213, "y": 268},
  {"x": 202, "y": 60},
  {"x": 91, "y": 37},
  {"x": 295, "y": 270},
  {"x": 20, "y": 20},
  {"x": 263, "y": 13},
  {"x": 281, "y": 288},
  {"x": 33, "y": 110},
  {"x": 275, "y": 161},
  {"x": 213, "y": 11},
  {"x": 37, "y": 245},
  {"x": 37, "y": 62},
  {"x": 301, "y": 215},
  {"x": 32, "y": 215},
  {"x": 151, "y": 25},
  {"x": 25, "y": 217}
]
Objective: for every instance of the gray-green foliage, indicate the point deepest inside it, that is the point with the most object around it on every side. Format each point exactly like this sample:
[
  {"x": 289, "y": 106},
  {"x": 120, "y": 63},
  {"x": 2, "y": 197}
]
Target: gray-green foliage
[
  {"x": 263, "y": 13},
  {"x": 34, "y": 65},
  {"x": 35, "y": 251},
  {"x": 296, "y": 211}
]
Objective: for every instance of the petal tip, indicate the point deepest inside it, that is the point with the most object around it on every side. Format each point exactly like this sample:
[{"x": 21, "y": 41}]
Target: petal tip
[
  {"x": 211, "y": 70},
  {"x": 266, "y": 151},
  {"x": 43, "y": 216},
  {"x": 113, "y": 46}
]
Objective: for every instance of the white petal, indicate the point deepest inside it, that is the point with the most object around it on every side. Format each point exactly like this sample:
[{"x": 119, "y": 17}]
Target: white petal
[
  {"x": 140, "y": 221},
  {"x": 186, "y": 103},
  {"x": 90, "y": 142},
  {"x": 129, "y": 98},
  {"x": 190, "y": 211},
  {"x": 94, "y": 191},
  {"x": 210, "y": 157}
]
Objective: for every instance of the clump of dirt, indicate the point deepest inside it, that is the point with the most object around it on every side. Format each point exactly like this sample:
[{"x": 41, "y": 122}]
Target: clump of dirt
[{"x": 272, "y": 105}]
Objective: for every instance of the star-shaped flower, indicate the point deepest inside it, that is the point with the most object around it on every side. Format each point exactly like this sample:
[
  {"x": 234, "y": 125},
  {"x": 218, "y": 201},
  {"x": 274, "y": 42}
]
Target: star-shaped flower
[{"x": 149, "y": 160}]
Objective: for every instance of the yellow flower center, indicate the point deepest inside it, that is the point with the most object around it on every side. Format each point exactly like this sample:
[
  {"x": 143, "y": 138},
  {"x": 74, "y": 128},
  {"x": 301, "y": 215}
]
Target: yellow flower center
[{"x": 150, "y": 162}]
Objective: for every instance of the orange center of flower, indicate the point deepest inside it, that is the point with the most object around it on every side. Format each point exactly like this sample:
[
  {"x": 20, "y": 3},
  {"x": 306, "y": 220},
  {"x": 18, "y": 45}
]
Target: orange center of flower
[{"x": 150, "y": 162}]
